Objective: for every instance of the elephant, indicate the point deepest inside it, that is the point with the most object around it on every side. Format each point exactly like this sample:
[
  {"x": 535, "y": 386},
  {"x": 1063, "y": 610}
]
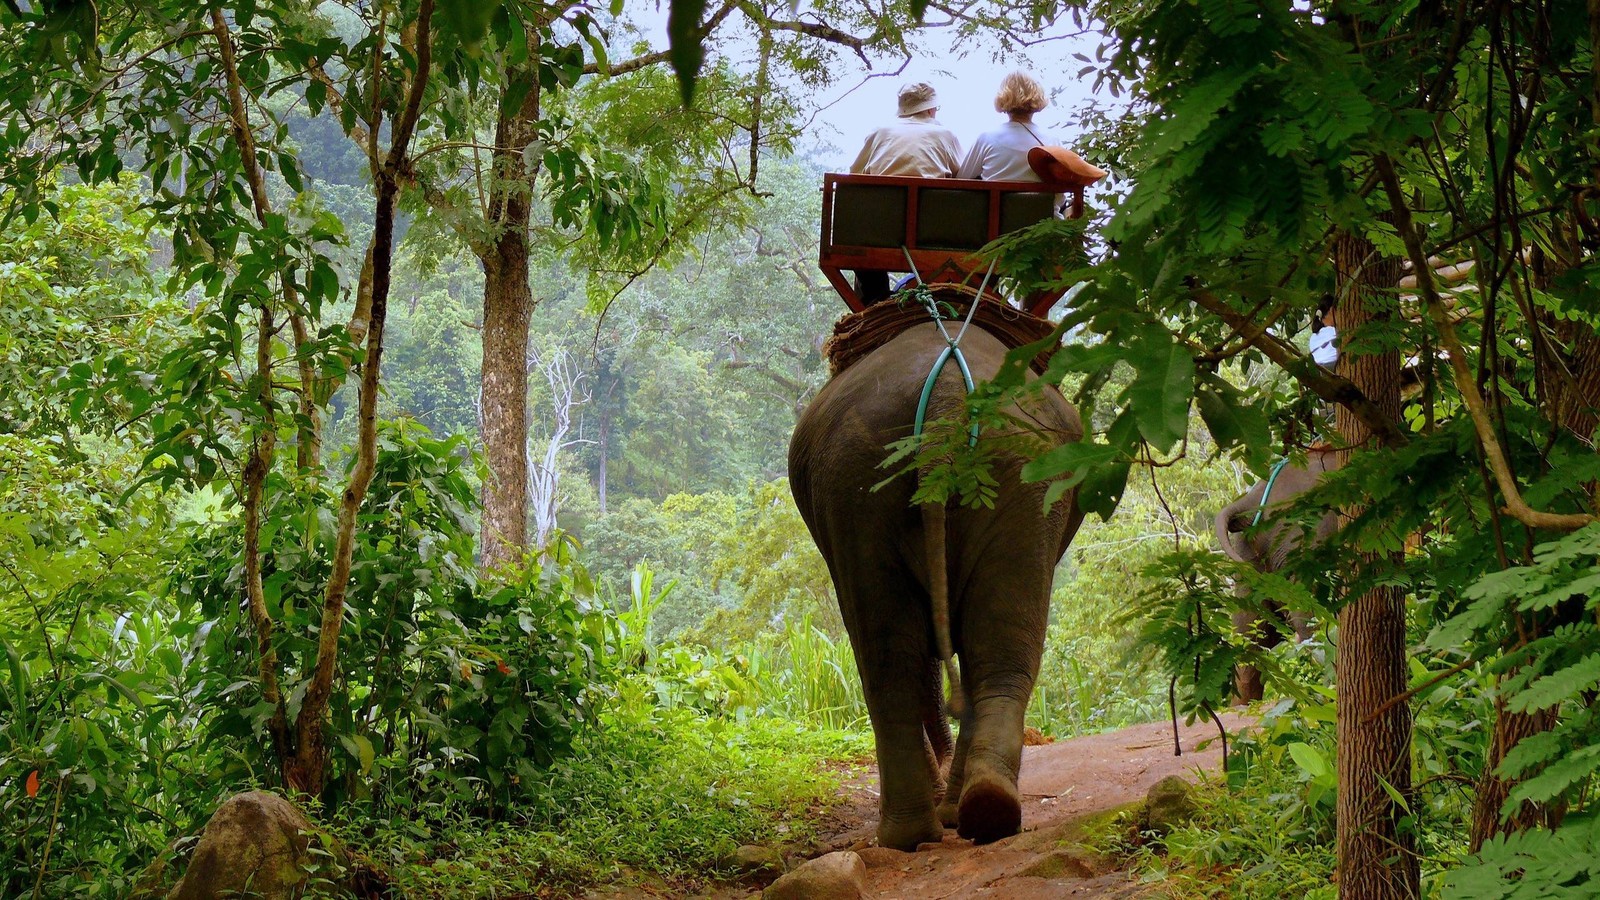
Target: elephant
[
  {"x": 1267, "y": 548},
  {"x": 916, "y": 583}
]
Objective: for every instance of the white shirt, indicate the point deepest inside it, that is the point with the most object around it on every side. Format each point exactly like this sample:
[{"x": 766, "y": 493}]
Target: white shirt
[
  {"x": 1001, "y": 154},
  {"x": 918, "y": 147},
  {"x": 1324, "y": 349}
]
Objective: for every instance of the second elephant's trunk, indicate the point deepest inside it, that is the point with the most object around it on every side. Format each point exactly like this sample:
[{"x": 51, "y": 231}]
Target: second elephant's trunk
[
  {"x": 933, "y": 529},
  {"x": 1230, "y": 537}
]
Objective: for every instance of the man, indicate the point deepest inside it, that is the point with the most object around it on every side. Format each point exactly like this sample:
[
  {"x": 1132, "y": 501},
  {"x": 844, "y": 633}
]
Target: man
[{"x": 918, "y": 146}]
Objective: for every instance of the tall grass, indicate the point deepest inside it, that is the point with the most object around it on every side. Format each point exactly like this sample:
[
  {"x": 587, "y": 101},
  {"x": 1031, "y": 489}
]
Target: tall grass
[{"x": 805, "y": 675}]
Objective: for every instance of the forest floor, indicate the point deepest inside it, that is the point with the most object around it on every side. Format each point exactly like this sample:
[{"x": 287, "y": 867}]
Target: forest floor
[{"x": 1066, "y": 787}]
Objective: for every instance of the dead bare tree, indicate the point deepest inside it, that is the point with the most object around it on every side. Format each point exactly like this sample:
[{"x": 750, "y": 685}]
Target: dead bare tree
[{"x": 568, "y": 392}]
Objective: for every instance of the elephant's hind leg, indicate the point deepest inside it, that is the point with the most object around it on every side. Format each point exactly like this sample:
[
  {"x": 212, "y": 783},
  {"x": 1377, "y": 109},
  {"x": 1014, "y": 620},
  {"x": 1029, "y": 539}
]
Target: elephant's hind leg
[
  {"x": 889, "y": 625},
  {"x": 1003, "y": 631}
]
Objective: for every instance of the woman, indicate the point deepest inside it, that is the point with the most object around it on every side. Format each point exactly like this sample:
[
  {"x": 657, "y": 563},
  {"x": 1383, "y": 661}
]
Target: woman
[
  {"x": 1001, "y": 154},
  {"x": 1323, "y": 344}
]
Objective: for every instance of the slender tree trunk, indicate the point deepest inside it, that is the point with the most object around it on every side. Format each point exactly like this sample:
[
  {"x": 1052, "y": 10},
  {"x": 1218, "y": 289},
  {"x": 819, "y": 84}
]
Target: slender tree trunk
[
  {"x": 605, "y": 450},
  {"x": 1568, "y": 387},
  {"x": 307, "y": 771},
  {"x": 1510, "y": 729},
  {"x": 605, "y": 390},
  {"x": 507, "y": 312},
  {"x": 1377, "y": 859},
  {"x": 258, "y": 465}
]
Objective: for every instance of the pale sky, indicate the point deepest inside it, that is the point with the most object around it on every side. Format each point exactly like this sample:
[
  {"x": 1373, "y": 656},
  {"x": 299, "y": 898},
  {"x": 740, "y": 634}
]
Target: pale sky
[{"x": 966, "y": 87}]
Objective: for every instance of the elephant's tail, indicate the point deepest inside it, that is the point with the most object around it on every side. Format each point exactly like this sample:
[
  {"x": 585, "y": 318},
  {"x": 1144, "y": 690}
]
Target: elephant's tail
[{"x": 933, "y": 527}]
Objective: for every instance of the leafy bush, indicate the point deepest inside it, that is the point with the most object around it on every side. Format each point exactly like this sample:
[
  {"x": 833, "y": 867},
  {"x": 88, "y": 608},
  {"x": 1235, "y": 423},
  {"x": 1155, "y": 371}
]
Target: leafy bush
[
  {"x": 450, "y": 685},
  {"x": 658, "y": 793}
]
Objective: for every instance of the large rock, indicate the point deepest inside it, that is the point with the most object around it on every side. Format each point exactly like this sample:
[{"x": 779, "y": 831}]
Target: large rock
[
  {"x": 254, "y": 846},
  {"x": 884, "y": 857},
  {"x": 752, "y": 859},
  {"x": 837, "y": 876},
  {"x": 1067, "y": 862},
  {"x": 1169, "y": 804}
]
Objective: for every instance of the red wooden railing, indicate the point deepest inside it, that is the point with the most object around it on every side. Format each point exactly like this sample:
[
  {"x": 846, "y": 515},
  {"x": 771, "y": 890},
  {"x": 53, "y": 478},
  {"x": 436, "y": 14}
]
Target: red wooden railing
[{"x": 872, "y": 222}]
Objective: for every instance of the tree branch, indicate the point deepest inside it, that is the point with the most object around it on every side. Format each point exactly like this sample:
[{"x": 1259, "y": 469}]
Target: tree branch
[
  {"x": 659, "y": 56},
  {"x": 1515, "y": 505},
  {"x": 1330, "y": 387}
]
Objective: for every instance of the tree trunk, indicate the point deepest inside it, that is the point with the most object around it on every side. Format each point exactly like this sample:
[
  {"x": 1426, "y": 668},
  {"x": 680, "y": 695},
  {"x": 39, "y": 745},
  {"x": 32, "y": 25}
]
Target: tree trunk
[
  {"x": 1568, "y": 386},
  {"x": 507, "y": 310},
  {"x": 307, "y": 770},
  {"x": 1510, "y": 729},
  {"x": 606, "y": 383},
  {"x": 507, "y": 313},
  {"x": 1377, "y": 859}
]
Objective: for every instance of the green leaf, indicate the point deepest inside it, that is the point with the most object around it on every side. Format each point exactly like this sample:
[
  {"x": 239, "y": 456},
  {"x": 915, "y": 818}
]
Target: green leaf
[
  {"x": 1160, "y": 393},
  {"x": 1102, "y": 489},
  {"x": 685, "y": 44},
  {"x": 1310, "y": 760},
  {"x": 1074, "y": 460},
  {"x": 1560, "y": 685},
  {"x": 467, "y": 21},
  {"x": 1232, "y": 421}
]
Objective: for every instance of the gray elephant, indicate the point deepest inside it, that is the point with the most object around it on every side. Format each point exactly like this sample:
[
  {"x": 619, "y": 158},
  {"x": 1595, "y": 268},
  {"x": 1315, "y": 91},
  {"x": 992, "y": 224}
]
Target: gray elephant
[
  {"x": 1267, "y": 548},
  {"x": 896, "y": 567}
]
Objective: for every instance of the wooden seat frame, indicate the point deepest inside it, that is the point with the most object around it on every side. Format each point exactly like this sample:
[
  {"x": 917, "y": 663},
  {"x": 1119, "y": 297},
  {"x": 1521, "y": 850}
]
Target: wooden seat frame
[{"x": 934, "y": 264}]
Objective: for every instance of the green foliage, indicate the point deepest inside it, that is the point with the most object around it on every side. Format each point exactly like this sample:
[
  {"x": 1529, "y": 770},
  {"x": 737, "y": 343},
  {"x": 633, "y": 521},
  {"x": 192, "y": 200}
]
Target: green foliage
[
  {"x": 1269, "y": 834},
  {"x": 1564, "y": 864},
  {"x": 664, "y": 796},
  {"x": 98, "y": 704},
  {"x": 804, "y": 674},
  {"x": 455, "y": 686},
  {"x": 740, "y": 563},
  {"x": 1100, "y": 665},
  {"x": 82, "y": 323}
]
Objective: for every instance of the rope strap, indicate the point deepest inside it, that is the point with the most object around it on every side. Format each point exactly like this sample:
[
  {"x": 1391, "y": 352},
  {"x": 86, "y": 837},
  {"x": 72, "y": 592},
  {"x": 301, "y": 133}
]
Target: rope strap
[
  {"x": 1271, "y": 480},
  {"x": 952, "y": 349}
]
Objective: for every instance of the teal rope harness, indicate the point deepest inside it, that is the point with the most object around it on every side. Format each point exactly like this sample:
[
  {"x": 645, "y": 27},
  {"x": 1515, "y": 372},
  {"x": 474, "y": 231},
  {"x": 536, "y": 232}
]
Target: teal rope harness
[
  {"x": 1271, "y": 480},
  {"x": 952, "y": 349}
]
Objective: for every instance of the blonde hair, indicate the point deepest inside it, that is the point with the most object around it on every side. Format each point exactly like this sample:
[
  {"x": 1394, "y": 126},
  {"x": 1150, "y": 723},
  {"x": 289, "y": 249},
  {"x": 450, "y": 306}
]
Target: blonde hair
[{"x": 1019, "y": 92}]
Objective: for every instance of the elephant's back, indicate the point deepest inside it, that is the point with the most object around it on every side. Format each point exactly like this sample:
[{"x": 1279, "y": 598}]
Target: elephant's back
[{"x": 874, "y": 402}]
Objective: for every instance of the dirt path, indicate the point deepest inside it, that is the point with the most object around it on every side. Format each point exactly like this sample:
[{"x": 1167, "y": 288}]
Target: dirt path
[{"x": 1062, "y": 784}]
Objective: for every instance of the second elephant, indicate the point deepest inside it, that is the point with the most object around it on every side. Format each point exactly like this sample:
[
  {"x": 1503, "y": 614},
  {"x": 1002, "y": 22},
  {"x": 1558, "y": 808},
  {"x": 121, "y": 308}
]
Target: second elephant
[{"x": 1267, "y": 547}]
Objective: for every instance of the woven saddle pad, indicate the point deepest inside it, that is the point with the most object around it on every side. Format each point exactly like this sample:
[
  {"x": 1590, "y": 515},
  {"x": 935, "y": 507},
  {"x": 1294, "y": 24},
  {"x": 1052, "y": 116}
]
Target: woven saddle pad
[{"x": 858, "y": 333}]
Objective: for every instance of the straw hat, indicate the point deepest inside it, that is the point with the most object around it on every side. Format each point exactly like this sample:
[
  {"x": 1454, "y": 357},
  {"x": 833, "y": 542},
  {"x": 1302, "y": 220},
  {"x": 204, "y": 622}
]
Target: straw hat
[
  {"x": 1058, "y": 165},
  {"x": 917, "y": 97}
]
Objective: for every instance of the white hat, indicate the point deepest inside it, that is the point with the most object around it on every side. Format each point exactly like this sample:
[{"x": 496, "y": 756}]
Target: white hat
[{"x": 917, "y": 97}]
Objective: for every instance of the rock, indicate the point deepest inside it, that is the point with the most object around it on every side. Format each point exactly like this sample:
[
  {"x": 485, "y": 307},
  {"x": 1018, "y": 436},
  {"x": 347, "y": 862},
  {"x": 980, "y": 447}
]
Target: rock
[
  {"x": 753, "y": 859},
  {"x": 1033, "y": 737},
  {"x": 254, "y": 846},
  {"x": 837, "y": 876},
  {"x": 883, "y": 857},
  {"x": 1072, "y": 862},
  {"x": 1169, "y": 804}
]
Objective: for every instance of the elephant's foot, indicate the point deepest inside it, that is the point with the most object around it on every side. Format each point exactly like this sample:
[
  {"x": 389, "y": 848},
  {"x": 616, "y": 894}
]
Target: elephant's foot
[
  {"x": 990, "y": 810},
  {"x": 947, "y": 814},
  {"x": 909, "y": 835}
]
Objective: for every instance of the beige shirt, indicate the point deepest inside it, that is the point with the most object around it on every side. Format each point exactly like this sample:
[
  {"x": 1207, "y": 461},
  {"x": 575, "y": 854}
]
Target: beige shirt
[{"x": 918, "y": 147}]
